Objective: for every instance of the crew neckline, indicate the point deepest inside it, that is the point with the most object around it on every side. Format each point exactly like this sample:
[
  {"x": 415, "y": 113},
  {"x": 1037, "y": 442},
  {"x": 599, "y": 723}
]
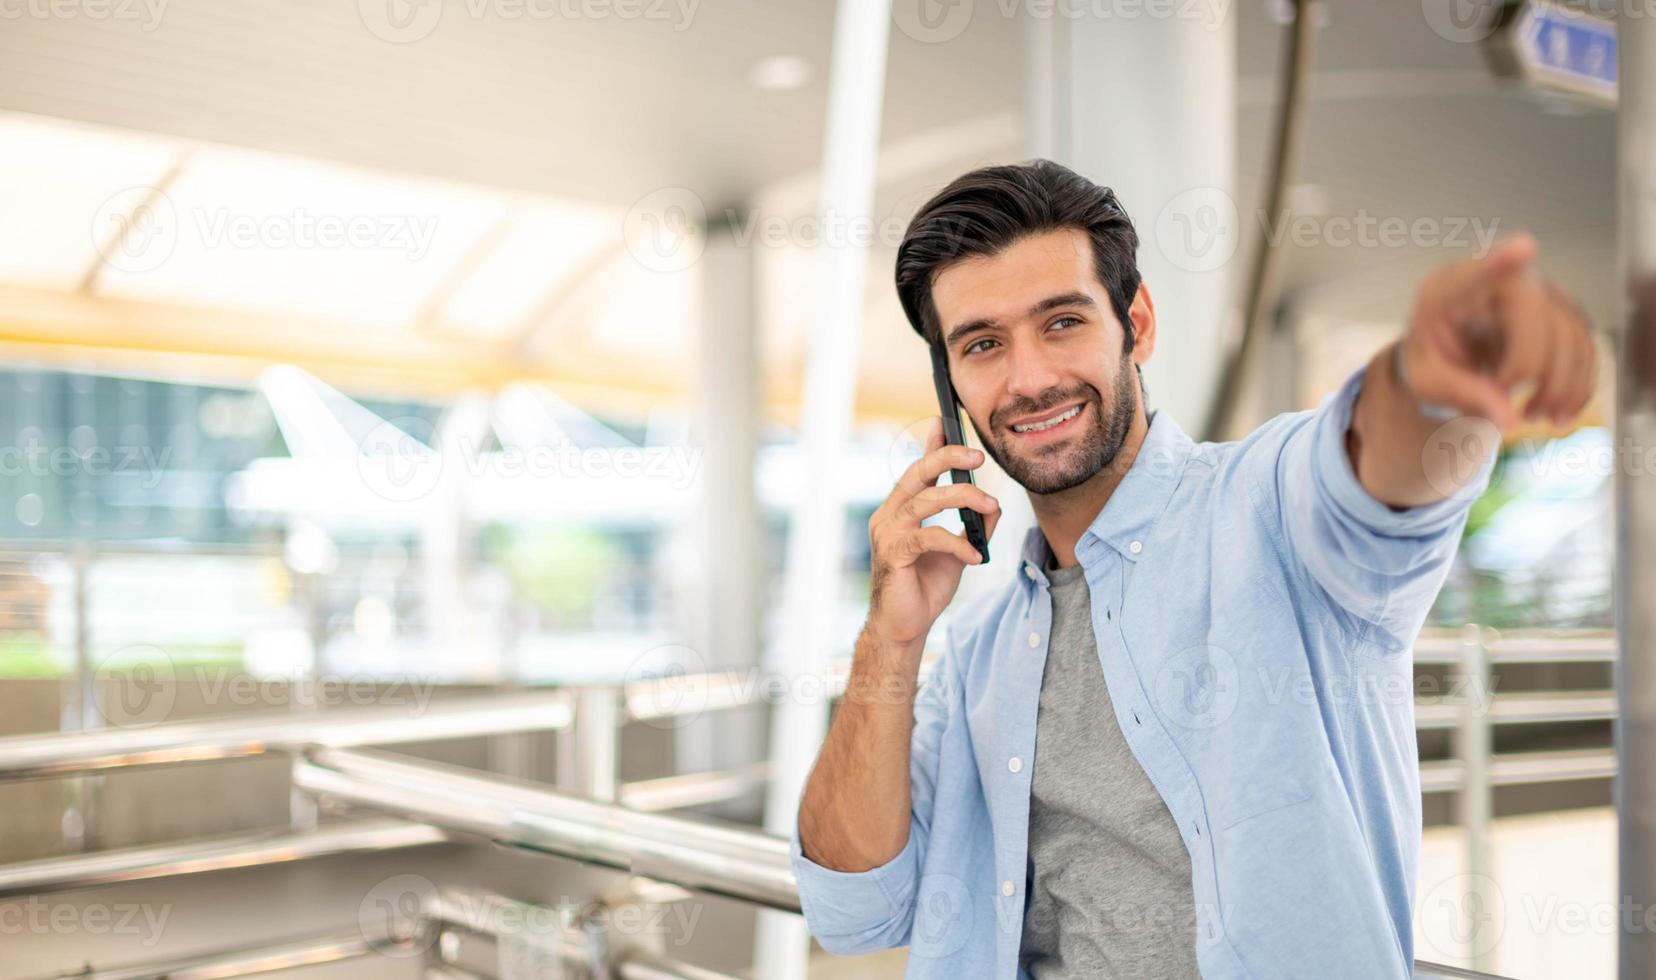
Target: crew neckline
[{"x": 1066, "y": 575}]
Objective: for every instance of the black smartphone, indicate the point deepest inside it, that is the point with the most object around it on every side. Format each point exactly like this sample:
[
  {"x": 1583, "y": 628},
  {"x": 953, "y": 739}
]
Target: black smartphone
[{"x": 954, "y": 435}]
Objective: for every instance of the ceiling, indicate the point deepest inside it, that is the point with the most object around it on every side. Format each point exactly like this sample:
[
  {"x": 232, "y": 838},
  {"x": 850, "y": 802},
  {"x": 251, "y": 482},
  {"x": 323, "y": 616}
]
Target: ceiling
[{"x": 525, "y": 134}]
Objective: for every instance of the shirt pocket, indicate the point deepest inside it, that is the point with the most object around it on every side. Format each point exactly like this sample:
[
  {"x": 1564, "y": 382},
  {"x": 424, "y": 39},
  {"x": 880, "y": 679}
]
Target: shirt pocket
[{"x": 1241, "y": 718}]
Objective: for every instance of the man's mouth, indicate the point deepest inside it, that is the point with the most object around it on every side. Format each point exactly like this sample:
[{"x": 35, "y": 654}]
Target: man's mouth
[{"x": 1046, "y": 423}]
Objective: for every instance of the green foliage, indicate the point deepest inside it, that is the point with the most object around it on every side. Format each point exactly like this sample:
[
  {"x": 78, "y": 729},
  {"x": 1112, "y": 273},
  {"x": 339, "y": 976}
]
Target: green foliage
[{"x": 560, "y": 569}]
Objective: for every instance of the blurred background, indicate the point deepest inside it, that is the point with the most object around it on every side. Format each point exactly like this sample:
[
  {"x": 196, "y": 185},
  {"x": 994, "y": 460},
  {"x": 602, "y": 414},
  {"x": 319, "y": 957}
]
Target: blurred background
[{"x": 377, "y": 356}]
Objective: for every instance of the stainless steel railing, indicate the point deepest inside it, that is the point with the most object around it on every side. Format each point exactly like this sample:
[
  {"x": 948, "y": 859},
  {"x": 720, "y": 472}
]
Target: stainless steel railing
[
  {"x": 37, "y": 756},
  {"x": 584, "y": 822},
  {"x": 704, "y": 854},
  {"x": 213, "y": 854}
]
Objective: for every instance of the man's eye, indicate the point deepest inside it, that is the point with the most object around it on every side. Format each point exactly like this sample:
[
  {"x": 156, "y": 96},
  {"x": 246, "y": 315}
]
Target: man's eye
[
  {"x": 1066, "y": 319},
  {"x": 978, "y": 345}
]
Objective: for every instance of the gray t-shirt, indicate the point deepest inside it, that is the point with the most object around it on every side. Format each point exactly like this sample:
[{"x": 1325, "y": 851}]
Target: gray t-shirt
[{"x": 1109, "y": 878}]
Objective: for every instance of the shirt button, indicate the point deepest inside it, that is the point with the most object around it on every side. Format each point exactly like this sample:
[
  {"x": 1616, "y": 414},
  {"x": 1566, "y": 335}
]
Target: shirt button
[
  {"x": 1135, "y": 547},
  {"x": 1034, "y": 639},
  {"x": 1015, "y": 764},
  {"x": 1007, "y": 888},
  {"x": 1029, "y": 570}
]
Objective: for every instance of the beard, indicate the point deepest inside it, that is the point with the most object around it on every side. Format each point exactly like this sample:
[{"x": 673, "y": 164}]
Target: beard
[{"x": 1059, "y": 467}]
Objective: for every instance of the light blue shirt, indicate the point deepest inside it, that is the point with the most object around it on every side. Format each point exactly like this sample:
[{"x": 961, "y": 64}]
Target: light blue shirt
[{"x": 1255, "y": 611}]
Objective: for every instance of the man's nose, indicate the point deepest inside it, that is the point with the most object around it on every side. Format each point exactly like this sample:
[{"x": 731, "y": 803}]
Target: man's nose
[{"x": 1034, "y": 370}]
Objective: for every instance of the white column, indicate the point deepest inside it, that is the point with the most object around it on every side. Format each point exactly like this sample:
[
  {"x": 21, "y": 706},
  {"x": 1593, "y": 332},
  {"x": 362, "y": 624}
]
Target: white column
[
  {"x": 730, "y": 524},
  {"x": 1146, "y": 105},
  {"x": 811, "y": 593}
]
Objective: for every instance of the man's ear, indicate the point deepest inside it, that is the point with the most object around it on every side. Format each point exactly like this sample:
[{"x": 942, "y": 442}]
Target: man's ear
[{"x": 1143, "y": 316}]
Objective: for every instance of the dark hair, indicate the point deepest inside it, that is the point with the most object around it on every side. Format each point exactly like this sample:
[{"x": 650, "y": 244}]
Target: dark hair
[{"x": 985, "y": 211}]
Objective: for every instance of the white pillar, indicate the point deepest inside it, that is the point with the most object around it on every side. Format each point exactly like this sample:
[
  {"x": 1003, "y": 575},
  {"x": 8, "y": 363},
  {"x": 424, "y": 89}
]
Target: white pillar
[
  {"x": 1146, "y": 105},
  {"x": 816, "y": 534},
  {"x": 730, "y": 524}
]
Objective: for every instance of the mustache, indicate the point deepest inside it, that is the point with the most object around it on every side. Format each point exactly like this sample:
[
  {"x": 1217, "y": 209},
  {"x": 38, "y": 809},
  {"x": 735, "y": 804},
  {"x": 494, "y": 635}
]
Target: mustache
[{"x": 1028, "y": 406}]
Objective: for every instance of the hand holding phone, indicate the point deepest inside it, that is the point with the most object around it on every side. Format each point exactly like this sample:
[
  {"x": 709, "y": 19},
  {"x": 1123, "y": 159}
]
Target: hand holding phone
[{"x": 954, "y": 435}]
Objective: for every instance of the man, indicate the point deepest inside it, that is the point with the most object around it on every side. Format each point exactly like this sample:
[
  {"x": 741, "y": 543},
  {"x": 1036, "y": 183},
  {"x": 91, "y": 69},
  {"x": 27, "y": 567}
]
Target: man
[{"x": 1181, "y": 739}]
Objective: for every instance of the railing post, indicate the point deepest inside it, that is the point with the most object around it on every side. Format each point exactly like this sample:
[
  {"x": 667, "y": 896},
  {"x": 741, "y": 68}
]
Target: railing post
[
  {"x": 588, "y": 751},
  {"x": 1472, "y": 747},
  {"x": 80, "y": 708}
]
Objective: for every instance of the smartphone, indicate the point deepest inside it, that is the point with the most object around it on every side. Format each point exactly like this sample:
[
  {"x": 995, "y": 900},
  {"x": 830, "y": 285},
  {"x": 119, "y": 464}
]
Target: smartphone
[{"x": 954, "y": 435}]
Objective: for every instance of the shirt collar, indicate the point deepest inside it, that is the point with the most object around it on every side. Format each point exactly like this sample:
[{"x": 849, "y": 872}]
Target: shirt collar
[{"x": 1127, "y": 517}]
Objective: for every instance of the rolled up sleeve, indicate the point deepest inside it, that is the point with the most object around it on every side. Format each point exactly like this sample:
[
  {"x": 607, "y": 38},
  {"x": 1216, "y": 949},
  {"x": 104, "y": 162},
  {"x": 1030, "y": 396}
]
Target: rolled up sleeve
[
  {"x": 1380, "y": 565},
  {"x": 859, "y": 912}
]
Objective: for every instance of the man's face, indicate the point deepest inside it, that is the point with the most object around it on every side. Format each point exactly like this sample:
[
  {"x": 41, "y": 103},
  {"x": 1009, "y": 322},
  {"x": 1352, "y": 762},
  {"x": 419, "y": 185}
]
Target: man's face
[{"x": 1036, "y": 356}]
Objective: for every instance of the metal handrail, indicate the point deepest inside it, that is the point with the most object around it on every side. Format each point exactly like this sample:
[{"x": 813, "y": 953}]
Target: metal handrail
[
  {"x": 213, "y": 854},
  {"x": 726, "y": 859},
  {"x": 448, "y": 908},
  {"x": 705, "y": 854},
  {"x": 38, "y": 756},
  {"x": 251, "y": 960}
]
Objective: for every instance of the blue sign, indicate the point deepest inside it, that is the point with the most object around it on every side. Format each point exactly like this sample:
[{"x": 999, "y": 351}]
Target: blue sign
[{"x": 1568, "y": 49}]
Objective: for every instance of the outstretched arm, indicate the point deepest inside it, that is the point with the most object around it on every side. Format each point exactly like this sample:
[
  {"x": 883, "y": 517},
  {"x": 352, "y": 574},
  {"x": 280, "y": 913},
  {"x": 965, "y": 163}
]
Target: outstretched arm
[{"x": 1485, "y": 334}]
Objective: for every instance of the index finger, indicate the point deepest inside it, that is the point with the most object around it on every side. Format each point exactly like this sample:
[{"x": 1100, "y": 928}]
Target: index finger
[
  {"x": 923, "y": 472},
  {"x": 1511, "y": 256}
]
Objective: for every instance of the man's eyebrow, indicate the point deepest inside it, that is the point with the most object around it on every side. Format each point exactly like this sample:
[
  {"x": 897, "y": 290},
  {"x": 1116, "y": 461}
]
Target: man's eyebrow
[{"x": 1050, "y": 303}]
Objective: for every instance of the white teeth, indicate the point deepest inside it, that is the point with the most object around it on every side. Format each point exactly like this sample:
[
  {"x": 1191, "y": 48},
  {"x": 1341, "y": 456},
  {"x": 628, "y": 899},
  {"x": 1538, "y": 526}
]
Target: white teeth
[{"x": 1049, "y": 423}]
